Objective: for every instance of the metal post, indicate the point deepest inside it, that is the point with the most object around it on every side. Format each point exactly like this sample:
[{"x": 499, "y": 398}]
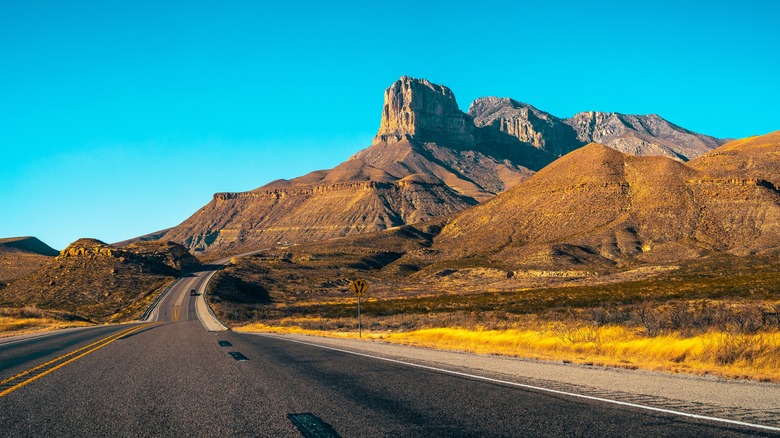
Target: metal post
[{"x": 360, "y": 324}]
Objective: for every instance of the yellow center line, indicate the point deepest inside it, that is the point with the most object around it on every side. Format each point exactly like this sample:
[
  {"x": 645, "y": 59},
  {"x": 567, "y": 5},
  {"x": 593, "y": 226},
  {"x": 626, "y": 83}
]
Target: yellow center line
[
  {"x": 103, "y": 342},
  {"x": 120, "y": 334},
  {"x": 176, "y": 312}
]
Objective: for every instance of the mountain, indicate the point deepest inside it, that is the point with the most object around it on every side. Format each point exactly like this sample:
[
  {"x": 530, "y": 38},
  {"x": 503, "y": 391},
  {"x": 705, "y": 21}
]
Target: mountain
[
  {"x": 632, "y": 134},
  {"x": 100, "y": 282},
  {"x": 427, "y": 160},
  {"x": 599, "y": 209},
  {"x": 21, "y": 255},
  {"x": 424, "y": 163}
]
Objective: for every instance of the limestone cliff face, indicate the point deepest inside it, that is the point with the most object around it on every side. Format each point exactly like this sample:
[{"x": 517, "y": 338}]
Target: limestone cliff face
[
  {"x": 262, "y": 218},
  {"x": 523, "y": 122},
  {"x": 641, "y": 135},
  {"x": 416, "y": 109}
]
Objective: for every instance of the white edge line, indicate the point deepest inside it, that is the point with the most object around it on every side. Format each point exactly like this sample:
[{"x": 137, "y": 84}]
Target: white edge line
[{"x": 537, "y": 388}]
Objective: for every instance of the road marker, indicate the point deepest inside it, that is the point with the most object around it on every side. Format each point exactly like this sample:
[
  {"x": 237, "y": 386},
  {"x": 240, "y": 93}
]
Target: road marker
[
  {"x": 312, "y": 426},
  {"x": 225, "y": 344},
  {"x": 53, "y": 363},
  {"x": 238, "y": 356}
]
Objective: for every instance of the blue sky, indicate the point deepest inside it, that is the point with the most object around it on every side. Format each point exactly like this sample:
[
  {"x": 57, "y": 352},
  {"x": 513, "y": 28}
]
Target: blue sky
[{"x": 122, "y": 118}]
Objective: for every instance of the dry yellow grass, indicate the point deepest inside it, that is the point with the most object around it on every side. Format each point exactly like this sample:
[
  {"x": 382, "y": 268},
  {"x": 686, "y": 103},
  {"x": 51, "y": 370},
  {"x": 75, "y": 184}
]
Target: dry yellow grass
[
  {"x": 12, "y": 326},
  {"x": 263, "y": 328},
  {"x": 752, "y": 356}
]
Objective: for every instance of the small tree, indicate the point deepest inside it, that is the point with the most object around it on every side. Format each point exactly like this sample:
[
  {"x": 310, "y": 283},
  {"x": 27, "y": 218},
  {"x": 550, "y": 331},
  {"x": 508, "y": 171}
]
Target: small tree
[{"x": 650, "y": 319}]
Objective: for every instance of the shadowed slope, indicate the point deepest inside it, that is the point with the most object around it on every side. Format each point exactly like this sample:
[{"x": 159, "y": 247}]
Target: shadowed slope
[{"x": 27, "y": 244}]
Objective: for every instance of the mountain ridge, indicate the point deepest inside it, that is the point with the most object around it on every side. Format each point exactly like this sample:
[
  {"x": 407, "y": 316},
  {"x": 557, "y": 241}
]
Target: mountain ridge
[{"x": 428, "y": 160}]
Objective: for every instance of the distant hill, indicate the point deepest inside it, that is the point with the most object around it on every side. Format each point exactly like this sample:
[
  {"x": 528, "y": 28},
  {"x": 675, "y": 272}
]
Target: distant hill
[
  {"x": 157, "y": 235},
  {"x": 599, "y": 209},
  {"x": 752, "y": 157},
  {"x": 100, "y": 282},
  {"x": 21, "y": 255},
  {"x": 26, "y": 244},
  {"x": 428, "y": 160}
]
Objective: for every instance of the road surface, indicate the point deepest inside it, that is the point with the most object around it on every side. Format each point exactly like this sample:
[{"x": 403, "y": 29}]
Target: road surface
[{"x": 170, "y": 376}]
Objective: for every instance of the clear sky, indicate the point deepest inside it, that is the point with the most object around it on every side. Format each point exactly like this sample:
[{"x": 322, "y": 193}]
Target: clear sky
[{"x": 122, "y": 118}]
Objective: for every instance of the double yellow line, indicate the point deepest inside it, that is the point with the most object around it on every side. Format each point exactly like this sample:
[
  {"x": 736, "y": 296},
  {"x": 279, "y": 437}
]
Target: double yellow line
[{"x": 26, "y": 377}]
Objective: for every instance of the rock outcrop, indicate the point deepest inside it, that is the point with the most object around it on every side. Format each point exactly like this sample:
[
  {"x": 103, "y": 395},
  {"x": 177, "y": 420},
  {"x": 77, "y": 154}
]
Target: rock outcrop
[
  {"x": 160, "y": 253},
  {"x": 416, "y": 109}
]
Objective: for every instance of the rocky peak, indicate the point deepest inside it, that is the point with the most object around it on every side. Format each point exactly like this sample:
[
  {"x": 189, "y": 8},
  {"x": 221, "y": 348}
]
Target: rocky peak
[
  {"x": 525, "y": 123},
  {"x": 416, "y": 109},
  {"x": 595, "y": 125},
  {"x": 640, "y": 134}
]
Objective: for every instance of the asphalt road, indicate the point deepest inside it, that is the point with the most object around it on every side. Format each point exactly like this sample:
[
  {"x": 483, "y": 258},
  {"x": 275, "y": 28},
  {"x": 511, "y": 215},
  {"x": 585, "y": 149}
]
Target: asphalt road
[{"x": 173, "y": 378}]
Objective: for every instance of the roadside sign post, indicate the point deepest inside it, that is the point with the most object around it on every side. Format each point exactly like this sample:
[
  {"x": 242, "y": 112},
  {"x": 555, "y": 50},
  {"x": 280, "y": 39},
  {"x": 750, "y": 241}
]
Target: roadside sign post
[
  {"x": 360, "y": 323},
  {"x": 359, "y": 287}
]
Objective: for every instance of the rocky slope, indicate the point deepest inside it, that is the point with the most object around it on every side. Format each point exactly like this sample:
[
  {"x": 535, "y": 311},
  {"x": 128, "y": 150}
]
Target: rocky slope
[
  {"x": 632, "y": 134},
  {"x": 100, "y": 282},
  {"x": 641, "y": 135},
  {"x": 599, "y": 209},
  {"x": 508, "y": 118},
  {"x": 428, "y": 160}
]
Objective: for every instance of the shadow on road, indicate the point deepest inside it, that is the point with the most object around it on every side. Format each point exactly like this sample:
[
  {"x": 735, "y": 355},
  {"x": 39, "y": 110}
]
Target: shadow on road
[{"x": 143, "y": 330}]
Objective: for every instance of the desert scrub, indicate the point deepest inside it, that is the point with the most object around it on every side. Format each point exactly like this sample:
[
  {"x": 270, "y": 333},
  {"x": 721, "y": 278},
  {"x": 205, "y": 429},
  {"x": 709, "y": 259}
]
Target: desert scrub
[
  {"x": 29, "y": 319},
  {"x": 755, "y": 356}
]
